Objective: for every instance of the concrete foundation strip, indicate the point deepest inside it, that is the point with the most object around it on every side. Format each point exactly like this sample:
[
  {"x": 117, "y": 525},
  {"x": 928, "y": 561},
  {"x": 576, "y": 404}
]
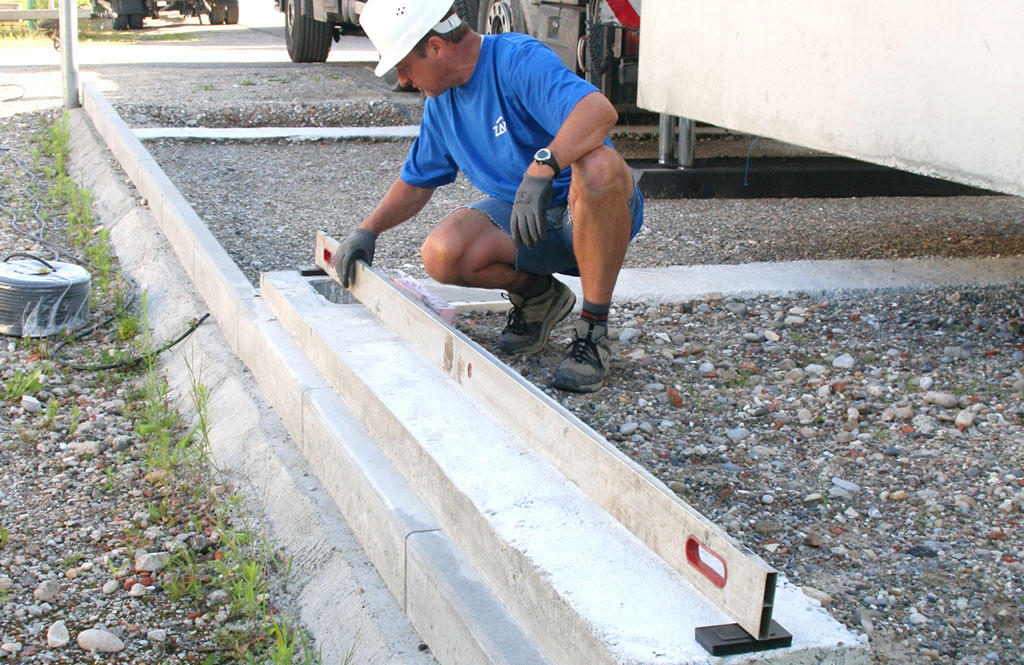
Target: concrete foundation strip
[
  {"x": 451, "y": 607},
  {"x": 734, "y": 578}
]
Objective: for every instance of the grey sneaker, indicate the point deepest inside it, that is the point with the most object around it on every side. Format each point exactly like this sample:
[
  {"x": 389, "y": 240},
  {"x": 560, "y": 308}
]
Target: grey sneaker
[
  {"x": 530, "y": 321},
  {"x": 585, "y": 366}
]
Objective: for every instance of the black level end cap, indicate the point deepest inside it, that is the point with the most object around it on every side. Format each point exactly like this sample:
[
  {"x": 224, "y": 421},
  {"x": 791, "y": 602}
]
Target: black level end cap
[{"x": 729, "y": 639}]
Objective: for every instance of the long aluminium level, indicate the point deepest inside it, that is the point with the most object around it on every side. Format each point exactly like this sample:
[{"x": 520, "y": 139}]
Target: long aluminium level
[{"x": 734, "y": 578}]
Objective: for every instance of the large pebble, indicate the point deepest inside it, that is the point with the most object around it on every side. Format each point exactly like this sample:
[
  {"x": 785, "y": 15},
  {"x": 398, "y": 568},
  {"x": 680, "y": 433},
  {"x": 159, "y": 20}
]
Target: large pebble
[
  {"x": 100, "y": 641},
  {"x": 628, "y": 335},
  {"x": 737, "y": 434},
  {"x": 47, "y": 591},
  {"x": 945, "y": 400},
  {"x": 846, "y": 485},
  {"x": 964, "y": 419},
  {"x": 819, "y": 595},
  {"x": 151, "y": 562},
  {"x": 57, "y": 635},
  {"x": 844, "y": 361}
]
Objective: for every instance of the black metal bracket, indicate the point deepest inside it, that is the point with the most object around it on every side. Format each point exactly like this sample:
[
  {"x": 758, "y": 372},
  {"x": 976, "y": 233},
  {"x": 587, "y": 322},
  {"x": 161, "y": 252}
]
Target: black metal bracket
[
  {"x": 787, "y": 177},
  {"x": 729, "y": 639}
]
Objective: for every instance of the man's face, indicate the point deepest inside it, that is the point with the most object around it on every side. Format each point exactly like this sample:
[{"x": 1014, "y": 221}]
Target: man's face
[{"x": 423, "y": 72}]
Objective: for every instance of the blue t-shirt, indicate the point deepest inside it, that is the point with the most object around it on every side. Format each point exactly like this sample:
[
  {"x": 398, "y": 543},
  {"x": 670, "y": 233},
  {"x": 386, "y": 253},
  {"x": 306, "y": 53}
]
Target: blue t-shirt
[{"x": 514, "y": 103}]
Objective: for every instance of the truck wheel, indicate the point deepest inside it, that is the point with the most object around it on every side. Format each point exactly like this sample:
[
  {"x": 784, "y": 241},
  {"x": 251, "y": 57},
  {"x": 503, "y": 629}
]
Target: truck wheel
[
  {"x": 498, "y": 16},
  {"x": 135, "y": 21},
  {"x": 307, "y": 40},
  {"x": 231, "y": 17},
  {"x": 468, "y": 11},
  {"x": 120, "y": 22},
  {"x": 216, "y": 13}
]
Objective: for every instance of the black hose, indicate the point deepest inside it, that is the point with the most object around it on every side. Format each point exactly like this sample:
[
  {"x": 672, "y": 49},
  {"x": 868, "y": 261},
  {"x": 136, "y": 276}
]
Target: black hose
[
  {"x": 132, "y": 362},
  {"x": 33, "y": 257}
]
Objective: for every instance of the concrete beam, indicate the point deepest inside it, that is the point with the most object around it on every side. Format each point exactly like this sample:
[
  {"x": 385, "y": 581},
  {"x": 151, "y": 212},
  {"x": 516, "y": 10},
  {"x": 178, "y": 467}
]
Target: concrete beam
[{"x": 551, "y": 554}]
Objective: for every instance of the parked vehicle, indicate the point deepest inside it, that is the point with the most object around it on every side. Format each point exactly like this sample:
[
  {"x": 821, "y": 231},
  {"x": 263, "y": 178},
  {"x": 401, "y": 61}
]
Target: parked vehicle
[
  {"x": 130, "y": 14},
  {"x": 599, "y": 39}
]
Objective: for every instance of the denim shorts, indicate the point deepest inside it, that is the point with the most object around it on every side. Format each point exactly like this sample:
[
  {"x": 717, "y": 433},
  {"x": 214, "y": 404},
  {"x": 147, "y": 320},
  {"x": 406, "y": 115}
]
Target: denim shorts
[{"x": 555, "y": 254}]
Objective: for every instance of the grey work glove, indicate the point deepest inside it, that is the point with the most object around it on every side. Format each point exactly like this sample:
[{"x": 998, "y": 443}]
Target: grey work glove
[
  {"x": 529, "y": 224},
  {"x": 358, "y": 245}
]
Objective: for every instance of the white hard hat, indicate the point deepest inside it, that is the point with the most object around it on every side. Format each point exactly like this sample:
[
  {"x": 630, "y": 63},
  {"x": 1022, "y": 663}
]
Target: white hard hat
[{"x": 396, "y": 26}]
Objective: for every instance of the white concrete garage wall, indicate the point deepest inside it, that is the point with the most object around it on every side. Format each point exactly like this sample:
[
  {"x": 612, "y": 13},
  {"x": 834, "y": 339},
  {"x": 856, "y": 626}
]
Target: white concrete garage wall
[{"x": 930, "y": 86}]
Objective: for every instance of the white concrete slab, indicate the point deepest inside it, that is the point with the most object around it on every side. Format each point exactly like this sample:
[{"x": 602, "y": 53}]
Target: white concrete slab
[
  {"x": 276, "y": 133},
  {"x": 684, "y": 283}
]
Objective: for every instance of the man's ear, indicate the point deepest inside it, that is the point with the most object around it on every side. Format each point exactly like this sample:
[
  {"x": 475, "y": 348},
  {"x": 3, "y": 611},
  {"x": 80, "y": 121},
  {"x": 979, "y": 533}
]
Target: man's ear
[{"x": 436, "y": 46}]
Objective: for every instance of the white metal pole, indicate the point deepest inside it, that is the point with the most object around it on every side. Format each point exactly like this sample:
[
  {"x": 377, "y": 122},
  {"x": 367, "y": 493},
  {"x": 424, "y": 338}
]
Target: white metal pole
[
  {"x": 687, "y": 137},
  {"x": 68, "y": 46},
  {"x": 666, "y": 138}
]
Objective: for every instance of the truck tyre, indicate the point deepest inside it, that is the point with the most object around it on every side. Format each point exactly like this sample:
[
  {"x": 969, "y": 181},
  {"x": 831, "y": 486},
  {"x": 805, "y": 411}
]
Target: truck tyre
[
  {"x": 135, "y": 21},
  {"x": 468, "y": 11},
  {"x": 497, "y": 16},
  {"x": 307, "y": 40},
  {"x": 231, "y": 15},
  {"x": 216, "y": 13}
]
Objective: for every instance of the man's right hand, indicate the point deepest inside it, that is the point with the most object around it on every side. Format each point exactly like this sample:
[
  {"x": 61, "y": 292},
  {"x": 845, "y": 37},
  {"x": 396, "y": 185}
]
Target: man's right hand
[{"x": 358, "y": 245}]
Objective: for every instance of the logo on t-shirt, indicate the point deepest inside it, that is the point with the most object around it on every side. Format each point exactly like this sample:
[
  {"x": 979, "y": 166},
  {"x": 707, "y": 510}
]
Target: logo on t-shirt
[{"x": 499, "y": 126}]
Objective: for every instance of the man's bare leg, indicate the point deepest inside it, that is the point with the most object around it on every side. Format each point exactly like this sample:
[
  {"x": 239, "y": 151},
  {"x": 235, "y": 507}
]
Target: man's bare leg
[
  {"x": 467, "y": 249},
  {"x": 599, "y": 200}
]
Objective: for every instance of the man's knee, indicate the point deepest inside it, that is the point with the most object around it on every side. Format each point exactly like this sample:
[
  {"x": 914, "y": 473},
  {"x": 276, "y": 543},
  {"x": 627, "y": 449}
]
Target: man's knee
[
  {"x": 601, "y": 174},
  {"x": 441, "y": 257}
]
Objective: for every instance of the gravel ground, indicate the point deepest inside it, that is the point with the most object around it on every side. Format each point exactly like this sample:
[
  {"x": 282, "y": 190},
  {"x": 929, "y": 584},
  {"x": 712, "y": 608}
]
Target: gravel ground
[
  {"x": 869, "y": 445},
  {"x": 267, "y": 221},
  {"x": 108, "y": 552}
]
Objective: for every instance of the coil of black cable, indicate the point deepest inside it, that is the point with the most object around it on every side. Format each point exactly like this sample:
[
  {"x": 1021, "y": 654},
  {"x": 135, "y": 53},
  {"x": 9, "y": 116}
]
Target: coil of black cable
[{"x": 41, "y": 298}]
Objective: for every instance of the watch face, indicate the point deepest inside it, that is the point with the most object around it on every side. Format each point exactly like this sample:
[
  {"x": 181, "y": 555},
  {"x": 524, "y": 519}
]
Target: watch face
[{"x": 542, "y": 155}]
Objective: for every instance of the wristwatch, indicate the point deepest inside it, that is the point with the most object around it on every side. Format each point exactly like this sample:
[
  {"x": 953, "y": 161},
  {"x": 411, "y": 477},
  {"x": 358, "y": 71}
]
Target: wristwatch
[{"x": 544, "y": 156}]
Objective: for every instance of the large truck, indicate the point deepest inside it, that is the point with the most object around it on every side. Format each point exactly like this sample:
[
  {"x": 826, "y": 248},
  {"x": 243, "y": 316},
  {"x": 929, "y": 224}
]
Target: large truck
[
  {"x": 130, "y": 14},
  {"x": 598, "y": 39},
  {"x": 601, "y": 41}
]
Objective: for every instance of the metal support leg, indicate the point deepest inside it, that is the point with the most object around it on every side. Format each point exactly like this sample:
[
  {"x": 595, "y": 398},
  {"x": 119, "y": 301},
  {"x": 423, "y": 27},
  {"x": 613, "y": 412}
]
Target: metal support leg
[
  {"x": 666, "y": 138},
  {"x": 687, "y": 137},
  {"x": 68, "y": 46}
]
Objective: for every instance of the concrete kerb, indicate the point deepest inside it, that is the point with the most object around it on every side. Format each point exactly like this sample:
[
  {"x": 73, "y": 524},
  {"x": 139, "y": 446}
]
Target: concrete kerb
[
  {"x": 227, "y": 298},
  {"x": 355, "y": 612}
]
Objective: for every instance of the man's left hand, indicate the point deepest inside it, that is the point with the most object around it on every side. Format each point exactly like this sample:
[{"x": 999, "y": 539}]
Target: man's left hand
[{"x": 529, "y": 224}]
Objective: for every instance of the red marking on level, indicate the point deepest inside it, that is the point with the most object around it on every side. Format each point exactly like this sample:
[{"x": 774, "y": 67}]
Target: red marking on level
[{"x": 695, "y": 552}]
